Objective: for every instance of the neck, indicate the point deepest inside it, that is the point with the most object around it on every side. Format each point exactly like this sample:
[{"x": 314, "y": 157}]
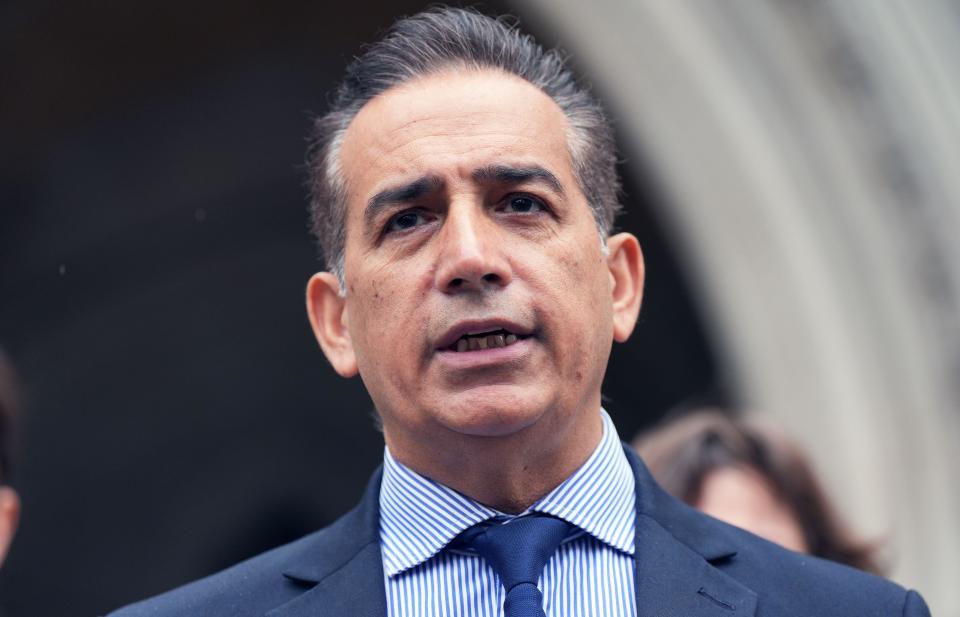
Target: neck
[{"x": 508, "y": 473}]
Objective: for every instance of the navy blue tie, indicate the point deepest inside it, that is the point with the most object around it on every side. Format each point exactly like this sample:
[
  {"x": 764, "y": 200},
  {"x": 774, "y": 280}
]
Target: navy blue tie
[{"x": 518, "y": 551}]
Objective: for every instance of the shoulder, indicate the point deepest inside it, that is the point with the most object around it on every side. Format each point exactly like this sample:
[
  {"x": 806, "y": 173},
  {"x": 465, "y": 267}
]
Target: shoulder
[
  {"x": 248, "y": 588},
  {"x": 271, "y": 579},
  {"x": 783, "y": 583},
  {"x": 788, "y": 583}
]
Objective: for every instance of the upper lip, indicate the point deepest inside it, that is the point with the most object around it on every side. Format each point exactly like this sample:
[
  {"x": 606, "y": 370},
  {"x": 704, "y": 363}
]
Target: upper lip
[{"x": 476, "y": 326}]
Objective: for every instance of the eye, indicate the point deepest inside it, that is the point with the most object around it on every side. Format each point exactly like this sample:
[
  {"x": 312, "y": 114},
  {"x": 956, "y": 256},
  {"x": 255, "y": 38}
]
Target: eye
[
  {"x": 408, "y": 219},
  {"x": 524, "y": 204}
]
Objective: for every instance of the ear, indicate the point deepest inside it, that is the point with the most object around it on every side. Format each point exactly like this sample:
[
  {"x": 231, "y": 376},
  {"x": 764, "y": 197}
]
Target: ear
[
  {"x": 327, "y": 310},
  {"x": 9, "y": 516},
  {"x": 625, "y": 261}
]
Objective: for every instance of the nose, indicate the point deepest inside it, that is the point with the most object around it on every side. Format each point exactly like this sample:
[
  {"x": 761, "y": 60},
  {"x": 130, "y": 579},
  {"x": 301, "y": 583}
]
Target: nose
[{"x": 472, "y": 254}]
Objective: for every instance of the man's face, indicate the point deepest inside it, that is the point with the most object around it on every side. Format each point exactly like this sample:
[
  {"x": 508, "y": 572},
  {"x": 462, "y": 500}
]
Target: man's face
[{"x": 478, "y": 294}]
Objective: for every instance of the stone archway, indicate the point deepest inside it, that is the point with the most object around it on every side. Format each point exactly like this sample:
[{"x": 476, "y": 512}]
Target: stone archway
[{"x": 809, "y": 151}]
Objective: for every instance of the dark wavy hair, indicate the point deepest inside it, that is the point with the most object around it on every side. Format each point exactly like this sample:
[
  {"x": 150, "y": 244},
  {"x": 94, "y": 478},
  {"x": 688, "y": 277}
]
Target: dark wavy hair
[
  {"x": 682, "y": 452},
  {"x": 429, "y": 43}
]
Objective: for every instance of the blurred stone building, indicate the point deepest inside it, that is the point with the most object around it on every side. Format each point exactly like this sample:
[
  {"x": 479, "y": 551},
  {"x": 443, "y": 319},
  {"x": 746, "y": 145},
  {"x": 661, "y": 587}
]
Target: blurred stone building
[{"x": 807, "y": 153}]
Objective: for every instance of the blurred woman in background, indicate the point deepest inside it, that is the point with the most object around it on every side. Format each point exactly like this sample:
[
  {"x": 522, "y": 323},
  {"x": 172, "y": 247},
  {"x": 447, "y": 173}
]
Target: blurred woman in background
[{"x": 752, "y": 477}]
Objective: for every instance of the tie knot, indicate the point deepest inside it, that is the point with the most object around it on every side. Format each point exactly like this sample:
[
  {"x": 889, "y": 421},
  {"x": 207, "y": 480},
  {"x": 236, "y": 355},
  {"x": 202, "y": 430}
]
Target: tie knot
[{"x": 518, "y": 550}]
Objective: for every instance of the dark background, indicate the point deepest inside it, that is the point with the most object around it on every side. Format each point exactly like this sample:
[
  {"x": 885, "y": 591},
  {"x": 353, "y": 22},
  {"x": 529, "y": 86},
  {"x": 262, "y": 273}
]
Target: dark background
[{"x": 153, "y": 256}]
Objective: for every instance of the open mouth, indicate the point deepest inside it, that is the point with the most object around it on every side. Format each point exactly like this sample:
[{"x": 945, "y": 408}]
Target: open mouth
[{"x": 486, "y": 340}]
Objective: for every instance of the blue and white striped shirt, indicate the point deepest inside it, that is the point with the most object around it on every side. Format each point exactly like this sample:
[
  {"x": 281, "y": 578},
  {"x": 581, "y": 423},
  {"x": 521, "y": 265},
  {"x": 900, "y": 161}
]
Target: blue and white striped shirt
[{"x": 590, "y": 574}]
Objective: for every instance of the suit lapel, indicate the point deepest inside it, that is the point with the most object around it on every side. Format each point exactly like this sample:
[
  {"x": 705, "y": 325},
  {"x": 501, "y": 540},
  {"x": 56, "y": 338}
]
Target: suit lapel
[
  {"x": 676, "y": 552},
  {"x": 354, "y": 590},
  {"x": 344, "y": 566}
]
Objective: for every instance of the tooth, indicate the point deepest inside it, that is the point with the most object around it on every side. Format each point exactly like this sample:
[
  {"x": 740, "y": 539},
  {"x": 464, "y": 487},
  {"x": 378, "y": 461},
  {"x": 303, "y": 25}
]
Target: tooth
[
  {"x": 482, "y": 341},
  {"x": 462, "y": 344},
  {"x": 496, "y": 340},
  {"x": 510, "y": 339},
  {"x": 474, "y": 344}
]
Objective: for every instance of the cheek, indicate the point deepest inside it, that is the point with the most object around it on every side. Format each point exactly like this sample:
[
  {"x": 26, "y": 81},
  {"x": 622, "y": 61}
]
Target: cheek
[
  {"x": 384, "y": 328},
  {"x": 579, "y": 301},
  {"x": 586, "y": 279},
  {"x": 370, "y": 320}
]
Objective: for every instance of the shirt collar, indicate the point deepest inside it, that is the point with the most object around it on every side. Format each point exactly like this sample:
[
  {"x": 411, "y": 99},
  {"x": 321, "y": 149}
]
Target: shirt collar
[
  {"x": 419, "y": 517},
  {"x": 599, "y": 497}
]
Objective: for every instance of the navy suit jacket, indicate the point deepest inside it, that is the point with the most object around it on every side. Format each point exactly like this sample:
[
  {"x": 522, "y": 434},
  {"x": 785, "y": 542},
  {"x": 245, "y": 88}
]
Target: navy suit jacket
[{"x": 687, "y": 565}]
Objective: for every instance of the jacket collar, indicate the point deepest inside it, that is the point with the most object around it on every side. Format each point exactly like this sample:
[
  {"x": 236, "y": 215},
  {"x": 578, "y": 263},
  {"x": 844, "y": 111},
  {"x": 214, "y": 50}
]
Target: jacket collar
[{"x": 679, "y": 556}]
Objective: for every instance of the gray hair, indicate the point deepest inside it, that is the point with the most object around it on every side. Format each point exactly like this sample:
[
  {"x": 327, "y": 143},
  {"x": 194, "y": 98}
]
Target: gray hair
[{"x": 426, "y": 44}]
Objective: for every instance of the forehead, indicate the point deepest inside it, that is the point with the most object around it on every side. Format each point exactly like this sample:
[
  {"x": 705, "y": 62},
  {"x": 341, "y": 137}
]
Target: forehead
[{"x": 450, "y": 124}]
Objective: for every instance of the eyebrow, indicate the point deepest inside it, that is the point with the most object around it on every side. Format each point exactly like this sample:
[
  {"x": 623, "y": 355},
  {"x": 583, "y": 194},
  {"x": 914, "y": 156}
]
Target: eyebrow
[
  {"x": 400, "y": 195},
  {"x": 411, "y": 191},
  {"x": 508, "y": 174}
]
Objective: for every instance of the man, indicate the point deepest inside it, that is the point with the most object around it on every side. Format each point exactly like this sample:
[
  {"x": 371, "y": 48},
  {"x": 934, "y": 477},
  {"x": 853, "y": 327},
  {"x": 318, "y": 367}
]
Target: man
[{"x": 464, "y": 190}]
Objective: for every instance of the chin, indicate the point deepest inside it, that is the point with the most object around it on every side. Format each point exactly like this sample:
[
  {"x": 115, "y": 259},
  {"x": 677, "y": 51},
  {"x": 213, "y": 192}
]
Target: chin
[{"x": 493, "y": 411}]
